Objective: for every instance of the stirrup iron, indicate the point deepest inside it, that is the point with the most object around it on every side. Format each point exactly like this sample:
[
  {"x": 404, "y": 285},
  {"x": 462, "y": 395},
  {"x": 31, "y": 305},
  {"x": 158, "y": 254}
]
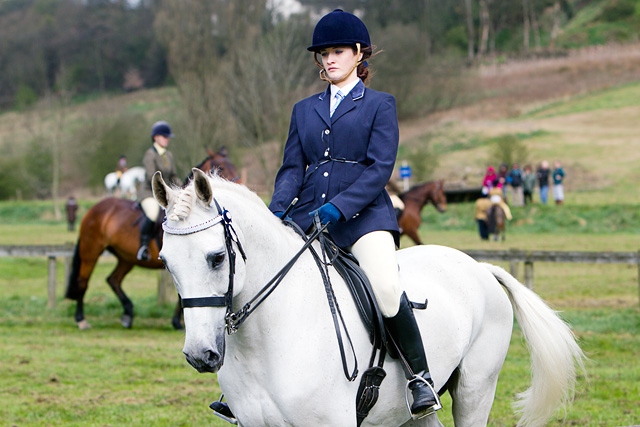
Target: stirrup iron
[
  {"x": 228, "y": 418},
  {"x": 429, "y": 411}
]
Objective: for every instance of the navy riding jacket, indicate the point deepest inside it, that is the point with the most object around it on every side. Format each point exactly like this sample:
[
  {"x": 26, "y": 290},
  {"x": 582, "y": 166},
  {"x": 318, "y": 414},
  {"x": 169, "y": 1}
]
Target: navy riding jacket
[{"x": 346, "y": 159}]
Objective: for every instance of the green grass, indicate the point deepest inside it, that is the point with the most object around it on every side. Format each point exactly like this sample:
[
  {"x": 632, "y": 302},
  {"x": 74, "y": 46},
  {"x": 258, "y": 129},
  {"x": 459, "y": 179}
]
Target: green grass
[{"x": 609, "y": 99}]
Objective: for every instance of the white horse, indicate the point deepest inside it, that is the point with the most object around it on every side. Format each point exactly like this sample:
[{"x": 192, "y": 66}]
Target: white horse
[
  {"x": 128, "y": 184},
  {"x": 283, "y": 367}
]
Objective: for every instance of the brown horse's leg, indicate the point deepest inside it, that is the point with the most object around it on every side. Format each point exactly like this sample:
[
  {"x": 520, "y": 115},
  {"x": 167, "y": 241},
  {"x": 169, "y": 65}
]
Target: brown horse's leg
[
  {"x": 115, "y": 281},
  {"x": 410, "y": 222}
]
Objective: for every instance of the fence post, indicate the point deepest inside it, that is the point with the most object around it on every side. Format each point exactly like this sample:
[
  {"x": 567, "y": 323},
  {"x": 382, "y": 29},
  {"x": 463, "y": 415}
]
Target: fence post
[
  {"x": 51, "y": 300},
  {"x": 528, "y": 272},
  {"x": 513, "y": 268},
  {"x": 165, "y": 283}
]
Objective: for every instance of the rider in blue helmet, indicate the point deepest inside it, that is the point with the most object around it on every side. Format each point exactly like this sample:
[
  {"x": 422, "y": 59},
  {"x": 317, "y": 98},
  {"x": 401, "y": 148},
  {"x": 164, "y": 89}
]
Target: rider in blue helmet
[
  {"x": 339, "y": 155},
  {"x": 156, "y": 158}
]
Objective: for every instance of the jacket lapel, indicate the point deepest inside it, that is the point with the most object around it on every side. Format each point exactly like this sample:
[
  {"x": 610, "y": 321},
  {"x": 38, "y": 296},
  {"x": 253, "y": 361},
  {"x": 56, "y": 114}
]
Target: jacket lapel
[
  {"x": 349, "y": 103},
  {"x": 322, "y": 106}
]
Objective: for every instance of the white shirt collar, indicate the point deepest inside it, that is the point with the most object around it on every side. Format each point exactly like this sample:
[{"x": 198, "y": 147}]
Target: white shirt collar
[{"x": 345, "y": 89}]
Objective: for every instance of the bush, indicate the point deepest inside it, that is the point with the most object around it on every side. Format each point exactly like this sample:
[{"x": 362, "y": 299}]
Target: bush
[
  {"x": 618, "y": 10},
  {"x": 104, "y": 140},
  {"x": 509, "y": 149}
]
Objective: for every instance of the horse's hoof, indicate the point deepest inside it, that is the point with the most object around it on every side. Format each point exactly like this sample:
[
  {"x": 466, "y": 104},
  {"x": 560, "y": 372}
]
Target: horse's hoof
[
  {"x": 83, "y": 325},
  {"x": 126, "y": 321}
]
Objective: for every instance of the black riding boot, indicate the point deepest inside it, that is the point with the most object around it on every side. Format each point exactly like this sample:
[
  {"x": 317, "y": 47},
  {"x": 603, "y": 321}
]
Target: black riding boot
[
  {"x": 146, "y": 233},
  {"x": 404, "y": 331}
]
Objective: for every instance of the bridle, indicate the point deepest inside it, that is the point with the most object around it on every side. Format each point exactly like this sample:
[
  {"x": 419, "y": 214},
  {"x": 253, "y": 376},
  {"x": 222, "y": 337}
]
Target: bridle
[
  {"x": 231, "y": 237},
  {"x": 234, "y": 319}
]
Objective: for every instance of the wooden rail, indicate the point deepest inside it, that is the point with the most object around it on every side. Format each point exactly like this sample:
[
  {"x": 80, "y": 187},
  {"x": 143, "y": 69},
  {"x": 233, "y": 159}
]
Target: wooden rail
[
  {"x": 513, "y": 256},
  {"x": 52, "y": 252}
]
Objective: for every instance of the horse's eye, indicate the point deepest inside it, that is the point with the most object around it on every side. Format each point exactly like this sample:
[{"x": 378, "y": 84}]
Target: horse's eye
[{"x": 214, "y": 260}]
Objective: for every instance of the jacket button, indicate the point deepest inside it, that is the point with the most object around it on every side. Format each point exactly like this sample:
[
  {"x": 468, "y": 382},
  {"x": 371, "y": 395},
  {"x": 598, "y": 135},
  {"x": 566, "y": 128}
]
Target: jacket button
[
  {"x": 326, "y": 132},
  {"x": 326, "y": 174},
  {"x": 324, "y": 195}
]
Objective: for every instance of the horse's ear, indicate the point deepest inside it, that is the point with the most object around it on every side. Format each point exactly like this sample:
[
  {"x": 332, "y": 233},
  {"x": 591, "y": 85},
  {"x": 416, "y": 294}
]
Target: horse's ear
[
  {"x": 161, "y": 192},
  {"x": 202, "y": 186}
]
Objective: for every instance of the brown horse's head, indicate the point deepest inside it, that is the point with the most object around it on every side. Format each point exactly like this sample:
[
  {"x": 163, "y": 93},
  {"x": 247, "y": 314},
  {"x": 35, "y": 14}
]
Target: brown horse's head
[
  {"x": 437, "y": 195},
  {"x": 219, "y": 162}
]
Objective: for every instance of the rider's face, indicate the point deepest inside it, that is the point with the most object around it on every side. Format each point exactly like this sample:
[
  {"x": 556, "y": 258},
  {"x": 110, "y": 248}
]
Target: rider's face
[
  {"x": 162, "y": 141},
  {"x": 339, "y": 62}
]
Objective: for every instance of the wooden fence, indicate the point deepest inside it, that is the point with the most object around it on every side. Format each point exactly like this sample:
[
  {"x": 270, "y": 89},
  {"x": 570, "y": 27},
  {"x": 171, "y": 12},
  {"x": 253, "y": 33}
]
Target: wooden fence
[
  {"x": 53, "y": 252},
  {"x": 513, "y": 256}
]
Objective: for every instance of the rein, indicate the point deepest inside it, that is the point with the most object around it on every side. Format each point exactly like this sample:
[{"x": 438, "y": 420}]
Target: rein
[{"x": 237, "y": 318}]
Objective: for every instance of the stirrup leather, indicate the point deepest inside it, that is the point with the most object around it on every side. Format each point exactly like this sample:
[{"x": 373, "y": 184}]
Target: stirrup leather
[
  {"x": 428, "y": 411},
  {"x": 228, "y": 418}
]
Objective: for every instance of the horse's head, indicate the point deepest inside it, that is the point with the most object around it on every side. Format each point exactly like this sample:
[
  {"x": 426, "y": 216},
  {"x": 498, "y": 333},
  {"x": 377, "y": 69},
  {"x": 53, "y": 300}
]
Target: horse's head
[
  {"x": 220, "y": 161},
  {"x": 438, "y": 196},
  {"x": 198, "y": 250}
]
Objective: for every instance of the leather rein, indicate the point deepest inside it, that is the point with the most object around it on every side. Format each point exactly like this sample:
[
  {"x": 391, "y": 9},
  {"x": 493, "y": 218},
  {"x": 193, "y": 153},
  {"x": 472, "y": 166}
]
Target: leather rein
[{"x": 234, "y": 319}]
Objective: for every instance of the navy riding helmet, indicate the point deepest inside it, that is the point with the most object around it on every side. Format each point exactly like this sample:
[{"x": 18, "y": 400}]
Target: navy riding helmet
[
  {"x": 339, "y": 28},
  {"x": 161, "y": 128}
]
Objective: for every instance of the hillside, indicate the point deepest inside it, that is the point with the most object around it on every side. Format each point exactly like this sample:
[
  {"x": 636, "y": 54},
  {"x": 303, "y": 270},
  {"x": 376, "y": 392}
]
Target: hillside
[{"x": 583, "y": 109}]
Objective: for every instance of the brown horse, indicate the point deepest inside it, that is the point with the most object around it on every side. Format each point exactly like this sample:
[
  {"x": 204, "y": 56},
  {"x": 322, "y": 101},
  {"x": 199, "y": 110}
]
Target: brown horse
[
  {"x": 496, "y": 221},
  {"x": 414, "y": 200},
  {"x": 113, "y": 225}
]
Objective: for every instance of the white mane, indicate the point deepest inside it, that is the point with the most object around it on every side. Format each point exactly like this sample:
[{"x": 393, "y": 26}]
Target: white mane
[{"x": 223, "y": 190}]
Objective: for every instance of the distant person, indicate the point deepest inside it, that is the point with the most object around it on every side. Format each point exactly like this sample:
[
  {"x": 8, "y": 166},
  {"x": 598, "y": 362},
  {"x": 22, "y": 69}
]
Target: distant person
[
  {"x": 72, "y": 209},
  {"x": 156, "y": 158},
  {"x": 558, "y": 177},
  {"x": 514, "y": 178},
  {"x": 482, "y": 206},
  {"x": 503, "y": 172},
  {"x": 495, "y": 197},
  {"x": 121, "y": 167},
  {"x": 542, "y": 174},
  {"x": 528, "y": 184},
  {"x": 489, "y": 181}
]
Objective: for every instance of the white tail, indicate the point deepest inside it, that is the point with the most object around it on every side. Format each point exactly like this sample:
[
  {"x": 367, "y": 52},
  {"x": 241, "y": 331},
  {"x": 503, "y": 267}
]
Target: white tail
[{"x": 555, "y": 354}]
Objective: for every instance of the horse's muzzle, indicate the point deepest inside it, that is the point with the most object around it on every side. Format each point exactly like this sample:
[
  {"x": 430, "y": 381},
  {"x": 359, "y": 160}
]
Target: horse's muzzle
[{"x": 208, "y": 361}]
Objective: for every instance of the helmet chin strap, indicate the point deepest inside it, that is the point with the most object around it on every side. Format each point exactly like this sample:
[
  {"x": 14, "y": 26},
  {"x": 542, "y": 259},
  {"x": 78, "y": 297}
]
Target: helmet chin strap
[{"x": 323, "y": 72}]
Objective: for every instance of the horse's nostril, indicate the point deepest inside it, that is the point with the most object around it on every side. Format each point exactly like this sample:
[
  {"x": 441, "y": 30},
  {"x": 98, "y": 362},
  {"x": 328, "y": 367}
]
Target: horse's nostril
[{"x": 211, "y": 358}]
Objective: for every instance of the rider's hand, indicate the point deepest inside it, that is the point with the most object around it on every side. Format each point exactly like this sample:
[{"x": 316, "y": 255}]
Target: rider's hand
[
  {"x": 279, "y": 214},
  {"x": 328, "y": 213}
]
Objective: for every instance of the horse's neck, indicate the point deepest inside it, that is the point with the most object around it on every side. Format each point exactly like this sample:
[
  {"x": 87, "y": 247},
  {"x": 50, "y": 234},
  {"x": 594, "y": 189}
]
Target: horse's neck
[{"x": 299, "y": 298}]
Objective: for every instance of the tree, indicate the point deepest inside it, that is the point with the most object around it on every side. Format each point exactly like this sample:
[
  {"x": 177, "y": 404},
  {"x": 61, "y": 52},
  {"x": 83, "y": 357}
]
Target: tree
[
  {"x": 266, "y": 79},
  {"x": 470, "y": 30}
]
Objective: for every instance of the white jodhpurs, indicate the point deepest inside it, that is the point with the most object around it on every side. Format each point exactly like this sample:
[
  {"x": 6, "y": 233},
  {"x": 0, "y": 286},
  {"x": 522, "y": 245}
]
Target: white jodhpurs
[
  {"x": 376, "y": 254},
  {"x": 151, "y": 208}
]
